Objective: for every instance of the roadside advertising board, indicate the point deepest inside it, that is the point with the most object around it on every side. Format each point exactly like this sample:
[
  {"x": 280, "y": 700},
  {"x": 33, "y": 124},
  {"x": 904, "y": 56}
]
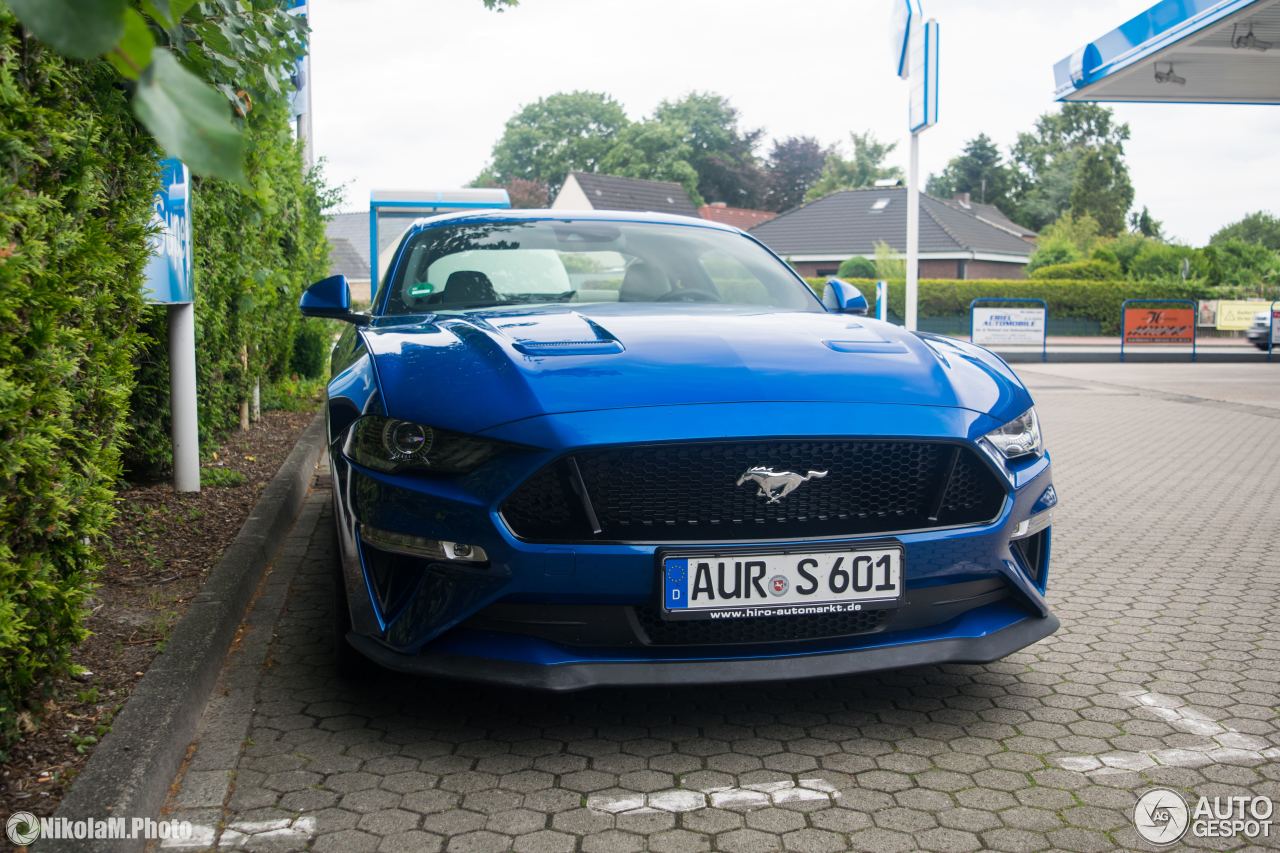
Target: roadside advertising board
[
  {"x": 992, "y": 326},
  {"x": 1208, "y": 316},
  {"x": 168, "y": 278},
  {"x": 1275, "y": 325},
  {"x": 1159, "y": 325},
  {"x": 1235, "y": 315}
]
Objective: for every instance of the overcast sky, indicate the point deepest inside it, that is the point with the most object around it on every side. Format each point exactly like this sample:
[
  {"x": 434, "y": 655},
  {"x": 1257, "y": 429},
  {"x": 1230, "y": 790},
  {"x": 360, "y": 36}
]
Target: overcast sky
[{"x": 412, "y": 94}]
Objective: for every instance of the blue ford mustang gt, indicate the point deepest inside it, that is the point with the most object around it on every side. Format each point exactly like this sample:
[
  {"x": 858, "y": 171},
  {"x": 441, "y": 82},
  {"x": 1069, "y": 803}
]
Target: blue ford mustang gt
[{"x": 583, "y": 449}]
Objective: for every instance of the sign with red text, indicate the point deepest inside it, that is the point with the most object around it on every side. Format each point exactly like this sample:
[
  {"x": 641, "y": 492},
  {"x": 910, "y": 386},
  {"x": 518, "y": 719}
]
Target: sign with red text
[{"x": 1159, "y": 325}]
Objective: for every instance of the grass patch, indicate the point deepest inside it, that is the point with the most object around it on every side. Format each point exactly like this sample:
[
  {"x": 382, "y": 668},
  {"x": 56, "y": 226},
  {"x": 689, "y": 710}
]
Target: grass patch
[
  {"x": 292, "y": 394},
  {"x": 221, "y": 477}
]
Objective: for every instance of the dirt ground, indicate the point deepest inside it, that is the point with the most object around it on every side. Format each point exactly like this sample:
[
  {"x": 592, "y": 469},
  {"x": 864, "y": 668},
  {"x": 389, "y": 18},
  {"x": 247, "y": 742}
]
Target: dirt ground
[{"x": 162, "y": 546}]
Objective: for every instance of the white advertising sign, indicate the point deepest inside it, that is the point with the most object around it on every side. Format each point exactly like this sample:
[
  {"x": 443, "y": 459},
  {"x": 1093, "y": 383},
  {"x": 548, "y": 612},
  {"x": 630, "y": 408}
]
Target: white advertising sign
[
  {"x": 1008, "y": 326},
  {"x": 1275, "y": 326}
]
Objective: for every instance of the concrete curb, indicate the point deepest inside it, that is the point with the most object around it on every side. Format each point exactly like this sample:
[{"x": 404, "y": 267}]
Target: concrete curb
[{"x": 130, "y": 772}]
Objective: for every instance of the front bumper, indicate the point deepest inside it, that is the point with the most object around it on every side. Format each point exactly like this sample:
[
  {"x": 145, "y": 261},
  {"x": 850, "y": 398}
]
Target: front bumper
[
  {"x": 967, "y": 641},
  {"x": 441, "y": 625}
]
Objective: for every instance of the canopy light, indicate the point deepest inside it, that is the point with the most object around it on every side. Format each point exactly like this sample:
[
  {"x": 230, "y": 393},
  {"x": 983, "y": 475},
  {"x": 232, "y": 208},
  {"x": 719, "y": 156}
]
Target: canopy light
[
  {"x": 1167, "y": 76},
  {"x": 1248, "y": 41}
]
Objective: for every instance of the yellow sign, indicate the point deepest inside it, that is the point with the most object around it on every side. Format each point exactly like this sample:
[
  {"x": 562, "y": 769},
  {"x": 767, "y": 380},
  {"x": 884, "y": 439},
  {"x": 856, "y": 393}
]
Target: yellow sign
[{"x": 1236, "y": 315}]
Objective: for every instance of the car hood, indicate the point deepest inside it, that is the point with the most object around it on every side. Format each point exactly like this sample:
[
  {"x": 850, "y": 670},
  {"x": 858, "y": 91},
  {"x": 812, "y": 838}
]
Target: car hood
[{"x": 475, "y": 370}]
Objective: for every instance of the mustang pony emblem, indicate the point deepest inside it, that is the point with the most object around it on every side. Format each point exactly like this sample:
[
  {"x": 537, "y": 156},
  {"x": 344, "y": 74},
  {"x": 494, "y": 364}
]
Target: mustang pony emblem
[{"x": 776, "y": 485}]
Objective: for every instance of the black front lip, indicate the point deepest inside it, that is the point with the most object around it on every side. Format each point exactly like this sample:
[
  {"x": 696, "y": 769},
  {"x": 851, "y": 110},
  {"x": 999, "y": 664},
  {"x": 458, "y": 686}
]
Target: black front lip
[{"x": 581, "y": 676}]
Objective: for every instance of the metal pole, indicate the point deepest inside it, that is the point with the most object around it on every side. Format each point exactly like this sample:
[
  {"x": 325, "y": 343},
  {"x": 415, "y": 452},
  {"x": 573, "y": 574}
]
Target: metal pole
[
  {"x": 913, "y": 232},
  {"x": 185, "y": 431}
]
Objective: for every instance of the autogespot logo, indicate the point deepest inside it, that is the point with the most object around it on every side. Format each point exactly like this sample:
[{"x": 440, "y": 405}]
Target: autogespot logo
[
  {"x": 22, "y": 828},
  {"x": 1161, "y": 816}
]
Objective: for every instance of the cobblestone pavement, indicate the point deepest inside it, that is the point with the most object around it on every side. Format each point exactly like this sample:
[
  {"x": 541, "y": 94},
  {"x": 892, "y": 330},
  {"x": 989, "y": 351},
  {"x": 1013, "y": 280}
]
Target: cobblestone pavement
[{"x": 1166, "y": 672}]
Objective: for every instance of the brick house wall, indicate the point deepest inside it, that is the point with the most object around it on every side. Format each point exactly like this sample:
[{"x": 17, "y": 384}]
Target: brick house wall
[{"x": 928, "y": 269}]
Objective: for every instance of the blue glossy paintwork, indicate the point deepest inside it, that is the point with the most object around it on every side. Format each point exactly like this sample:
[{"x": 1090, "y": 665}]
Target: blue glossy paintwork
[
  {"x": 326, "y": 297},
  {"x": 682, "y": 356},
  {"x": 644, "y": 372}
]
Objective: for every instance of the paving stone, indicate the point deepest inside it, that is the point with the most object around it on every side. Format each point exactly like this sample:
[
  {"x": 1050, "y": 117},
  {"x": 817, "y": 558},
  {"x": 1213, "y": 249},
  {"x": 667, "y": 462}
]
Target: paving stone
[{"x": 1049, "y": 748}]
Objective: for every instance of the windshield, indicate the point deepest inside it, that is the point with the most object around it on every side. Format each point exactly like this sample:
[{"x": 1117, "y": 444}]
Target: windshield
[{"x": 486, "y": 264}]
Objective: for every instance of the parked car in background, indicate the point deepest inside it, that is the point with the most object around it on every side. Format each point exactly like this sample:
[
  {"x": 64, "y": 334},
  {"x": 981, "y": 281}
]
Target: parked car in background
[
  {"x": 580, "y": 449},
  {"x": 1259, "y": 330}
]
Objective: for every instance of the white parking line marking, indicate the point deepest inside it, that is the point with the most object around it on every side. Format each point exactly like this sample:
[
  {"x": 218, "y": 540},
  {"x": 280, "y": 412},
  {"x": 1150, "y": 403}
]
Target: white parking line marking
[
  {"x": 1219, "y": 743},
  {"x": 747, "y": 797},
  {"x": 239, "y": 833}
]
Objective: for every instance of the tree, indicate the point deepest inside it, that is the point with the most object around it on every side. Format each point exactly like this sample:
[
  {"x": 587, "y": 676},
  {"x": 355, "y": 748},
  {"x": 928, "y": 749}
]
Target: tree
[
  {"x": 862, "y": 170},
  {"x": 1145, "y": 224},
  {"x": 1258, "y": 227},
  {"x": 654, "y": 151},
  {"x": 556, "y": 135},
  {"x": 1070, "y": 238},
  {"x": 527, "y": 194},
  {"x": 1101, "y": 191},
  {"x": 980, "y": 171},
  {"x": 722, "y": 153},
  {"x": 794, "y": 165},
  {"x": 1049, "y": 163}
]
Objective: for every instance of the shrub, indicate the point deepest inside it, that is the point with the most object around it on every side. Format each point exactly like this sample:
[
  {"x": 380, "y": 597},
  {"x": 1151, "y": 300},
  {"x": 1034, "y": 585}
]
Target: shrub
[
  {"x": 1095, "y": 270},
  {"x": 1165, "y": 261},
  {"x": 857, "y": 267},
  {"x": 1098, "y": 301},
  {"x": 75, "y": 199},
  {"x": 890, "y": 264},
  {"x": 1234, "y": 262},
  {"x": 311, "y": 347},
  {"x": 1052, "y": 253}
]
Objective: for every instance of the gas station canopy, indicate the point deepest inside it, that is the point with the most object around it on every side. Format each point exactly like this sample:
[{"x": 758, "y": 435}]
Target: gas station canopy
[{"x": 1181, "y": 51}]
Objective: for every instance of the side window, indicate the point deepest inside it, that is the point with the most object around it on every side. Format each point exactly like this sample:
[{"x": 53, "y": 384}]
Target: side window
[
  {"x": 595, "y": 276},
  {"x": 732, "y": 279}
]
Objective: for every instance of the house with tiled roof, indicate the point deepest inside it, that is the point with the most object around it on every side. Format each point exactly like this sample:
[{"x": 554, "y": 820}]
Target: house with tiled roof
[
  {"x": 954, "y": 242},
  {"x": 589, "y": 191},
  {"x": 739, "y": 217}
]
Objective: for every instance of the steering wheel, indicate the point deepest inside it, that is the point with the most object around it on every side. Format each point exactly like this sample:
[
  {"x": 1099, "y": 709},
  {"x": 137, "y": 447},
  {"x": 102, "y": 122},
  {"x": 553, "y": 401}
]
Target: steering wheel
[{"x": 689, "y": 294}]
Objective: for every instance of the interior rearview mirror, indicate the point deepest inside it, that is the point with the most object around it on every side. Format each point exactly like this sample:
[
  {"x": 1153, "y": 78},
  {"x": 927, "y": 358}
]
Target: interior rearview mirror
[
  {"x": 843, "y": 297},
  {"x": 331, "y": 298}
]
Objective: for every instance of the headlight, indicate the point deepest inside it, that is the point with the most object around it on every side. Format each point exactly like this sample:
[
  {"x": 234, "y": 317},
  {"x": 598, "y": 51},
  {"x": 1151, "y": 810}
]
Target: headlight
[
  {"x": 392, "y": 445},
  {"x": 1019, "y": 437}
]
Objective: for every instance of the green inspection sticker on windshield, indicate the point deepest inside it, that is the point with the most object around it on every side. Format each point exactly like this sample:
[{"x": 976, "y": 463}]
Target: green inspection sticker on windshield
[{"x": 422, "y": 288}]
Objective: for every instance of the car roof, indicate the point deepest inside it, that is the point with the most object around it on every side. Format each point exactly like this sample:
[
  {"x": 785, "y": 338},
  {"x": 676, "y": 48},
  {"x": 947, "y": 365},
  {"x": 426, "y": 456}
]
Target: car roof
[{"x": 533, "y": 215}]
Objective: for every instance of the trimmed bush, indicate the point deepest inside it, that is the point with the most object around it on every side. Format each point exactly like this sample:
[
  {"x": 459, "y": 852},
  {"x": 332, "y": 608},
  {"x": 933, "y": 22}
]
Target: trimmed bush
[
  {"x": 1090, "y": 270},
  {"x": 75, "y": 202},
  {"x": 1097, "y": 301},
  {"x": 857, "y": 267}
]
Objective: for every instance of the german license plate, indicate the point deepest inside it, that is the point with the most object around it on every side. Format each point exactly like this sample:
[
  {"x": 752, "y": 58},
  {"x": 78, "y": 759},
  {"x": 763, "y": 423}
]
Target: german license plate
[{"x": 735, "y": 585}]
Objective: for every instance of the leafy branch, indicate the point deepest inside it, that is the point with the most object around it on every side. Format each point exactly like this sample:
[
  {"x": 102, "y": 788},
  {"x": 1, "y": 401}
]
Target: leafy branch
[{"x": 193, "y": 66}]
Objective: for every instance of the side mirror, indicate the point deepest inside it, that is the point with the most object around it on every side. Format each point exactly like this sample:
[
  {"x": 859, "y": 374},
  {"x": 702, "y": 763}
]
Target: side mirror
[
  {"x": 842, "y": 297},
  {"x": 330, "y": 298}
]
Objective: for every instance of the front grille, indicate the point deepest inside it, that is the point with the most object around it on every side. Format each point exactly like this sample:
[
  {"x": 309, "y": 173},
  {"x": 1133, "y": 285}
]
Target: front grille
[
  {"x": 688, "y": 492},
  {"x": 758, "y": 629}
]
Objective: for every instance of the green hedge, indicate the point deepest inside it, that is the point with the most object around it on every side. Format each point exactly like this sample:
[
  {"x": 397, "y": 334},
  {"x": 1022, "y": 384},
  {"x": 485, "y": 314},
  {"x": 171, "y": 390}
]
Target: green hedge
[
  {"x": 1097, "y": 301},
  {"x": 76, "y": 184},
  {"x": 254, "y": 251}
]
